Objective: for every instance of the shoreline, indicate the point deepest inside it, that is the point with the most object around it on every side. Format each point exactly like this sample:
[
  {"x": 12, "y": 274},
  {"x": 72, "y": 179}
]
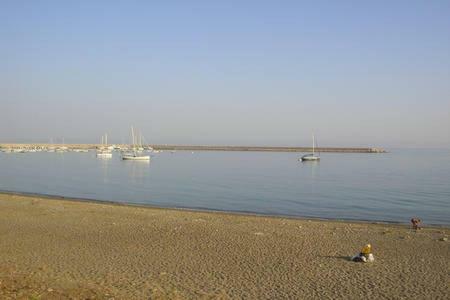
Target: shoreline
[
  {"x": 214, "y": 211},
  {"x": 60, "y": 249}
]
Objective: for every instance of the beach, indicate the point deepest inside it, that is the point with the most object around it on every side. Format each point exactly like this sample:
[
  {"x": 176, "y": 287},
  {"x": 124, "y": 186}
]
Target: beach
[{"x": 69, "y": 249}]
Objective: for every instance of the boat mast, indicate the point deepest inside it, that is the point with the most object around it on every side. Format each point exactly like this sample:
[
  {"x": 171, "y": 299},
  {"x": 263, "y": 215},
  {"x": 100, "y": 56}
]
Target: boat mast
[
  {"x": 313, "y": 143},
  {"x": 132, "y": 136},
  {"x": 318, "y": 149}
]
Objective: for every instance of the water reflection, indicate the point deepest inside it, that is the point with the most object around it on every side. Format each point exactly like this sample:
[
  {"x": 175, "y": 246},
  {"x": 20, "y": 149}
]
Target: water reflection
[
  {"x": 104, "y": 163},
  {"x": 312, "y": 166},
  {"x": 137, "y": 170}
]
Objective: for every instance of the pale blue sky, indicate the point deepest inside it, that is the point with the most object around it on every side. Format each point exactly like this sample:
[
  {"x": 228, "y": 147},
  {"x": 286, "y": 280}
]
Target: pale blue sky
[{"x": 357, "y": 73}]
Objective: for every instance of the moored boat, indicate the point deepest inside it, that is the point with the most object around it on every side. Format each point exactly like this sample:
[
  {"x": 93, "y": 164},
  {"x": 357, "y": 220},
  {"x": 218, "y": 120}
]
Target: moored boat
[
  {"x": 104, "y": 151},
  {"x": 134, "y": 154},
  {"x": 311, "y": 156}
]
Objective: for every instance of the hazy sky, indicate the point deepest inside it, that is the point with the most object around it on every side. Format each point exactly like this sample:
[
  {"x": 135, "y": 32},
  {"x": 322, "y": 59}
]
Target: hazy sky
[{"x": 357, "y": 73}]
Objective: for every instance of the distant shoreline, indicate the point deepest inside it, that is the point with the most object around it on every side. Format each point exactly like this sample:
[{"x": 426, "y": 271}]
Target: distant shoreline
[{"x": 208, "y": 148}]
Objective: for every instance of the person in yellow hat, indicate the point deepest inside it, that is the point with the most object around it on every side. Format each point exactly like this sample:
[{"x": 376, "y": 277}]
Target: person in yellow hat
[
  {"x": 365, "y": 255},
  {"x": 366, "y": 250}
]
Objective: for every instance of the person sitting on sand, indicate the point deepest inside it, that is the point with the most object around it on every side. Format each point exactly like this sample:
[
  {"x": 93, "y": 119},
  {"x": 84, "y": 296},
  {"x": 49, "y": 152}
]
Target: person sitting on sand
[
  {"x": 365, "y": 255},
  {"x": 416, "y": 223}
]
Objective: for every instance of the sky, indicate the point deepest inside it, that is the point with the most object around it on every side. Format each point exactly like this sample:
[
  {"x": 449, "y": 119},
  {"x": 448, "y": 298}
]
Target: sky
[{"x": 354, "y": 73}]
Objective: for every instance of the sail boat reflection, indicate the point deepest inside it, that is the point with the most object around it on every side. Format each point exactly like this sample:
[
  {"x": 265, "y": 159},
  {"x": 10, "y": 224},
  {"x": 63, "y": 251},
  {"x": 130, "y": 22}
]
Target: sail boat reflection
[
  {"x": 313, "y": 169},
  {"x": 104, "y": 166},
  {"x": 138, "y": 171}
]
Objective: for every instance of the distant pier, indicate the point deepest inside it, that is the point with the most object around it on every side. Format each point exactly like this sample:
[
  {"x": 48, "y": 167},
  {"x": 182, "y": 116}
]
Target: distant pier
[
  {"x": 269, "y": 149},
  {"x": 202, "y": 148}
]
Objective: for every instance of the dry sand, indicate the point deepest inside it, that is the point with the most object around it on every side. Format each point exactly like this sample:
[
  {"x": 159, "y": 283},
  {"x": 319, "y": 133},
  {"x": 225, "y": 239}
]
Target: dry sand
[{"x": 59, "y": 249}]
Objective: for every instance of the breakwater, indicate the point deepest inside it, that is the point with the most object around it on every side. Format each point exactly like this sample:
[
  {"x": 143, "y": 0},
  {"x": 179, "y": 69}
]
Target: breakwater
[
  {"x": 269, "y": 149},
  {"x": 202, "y": 148}
]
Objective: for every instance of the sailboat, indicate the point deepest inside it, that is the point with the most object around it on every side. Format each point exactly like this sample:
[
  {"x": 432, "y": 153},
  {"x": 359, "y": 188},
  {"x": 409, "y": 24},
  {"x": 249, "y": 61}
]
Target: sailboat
[
  {"x": 103, "y": 151},
  {"x": 134, "y": 155},
  {"x": 62, "y": 148},
  {"x": 311, "y": 156},
  {"x": 139, "y": 147}
]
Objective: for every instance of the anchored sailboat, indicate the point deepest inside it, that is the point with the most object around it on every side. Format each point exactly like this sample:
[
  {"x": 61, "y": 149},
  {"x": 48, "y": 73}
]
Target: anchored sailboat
[
  {"x": 311, "y": 156},
  {"x": 134, "y": 154},
  {"x": 104, "y": 151}
]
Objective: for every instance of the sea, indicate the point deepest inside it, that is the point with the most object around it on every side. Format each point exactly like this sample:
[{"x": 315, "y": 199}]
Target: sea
[{"x": 378, "y": 187}]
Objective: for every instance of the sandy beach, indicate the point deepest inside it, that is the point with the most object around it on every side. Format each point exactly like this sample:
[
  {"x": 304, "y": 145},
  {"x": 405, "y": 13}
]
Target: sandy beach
[{"x": 61, "y": 249}]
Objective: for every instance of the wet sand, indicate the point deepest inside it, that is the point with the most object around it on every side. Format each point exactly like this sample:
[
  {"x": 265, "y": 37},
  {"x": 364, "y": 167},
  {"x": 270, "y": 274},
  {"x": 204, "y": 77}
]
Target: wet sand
[{"x": 60, "y": 249}]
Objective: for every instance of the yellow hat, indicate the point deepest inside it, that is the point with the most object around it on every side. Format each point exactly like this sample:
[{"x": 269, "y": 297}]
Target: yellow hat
[{"x": 367, "y": 249}]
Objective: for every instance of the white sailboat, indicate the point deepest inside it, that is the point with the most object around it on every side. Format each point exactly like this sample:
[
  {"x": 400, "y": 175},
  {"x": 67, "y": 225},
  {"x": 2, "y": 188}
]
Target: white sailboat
[
  {"x": 134, "y": 155},
  {"x": 62, "y": 148},
  {"x": 104, "y": 151},
  {"x": 311, "y": 156},
  {"x": 139, "y": 147}
]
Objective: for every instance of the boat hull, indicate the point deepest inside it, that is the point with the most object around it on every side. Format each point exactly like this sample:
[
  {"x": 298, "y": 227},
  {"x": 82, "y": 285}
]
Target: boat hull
[
  {"x": 105, "y": 155},
  {"x": 310, "y": 158},
  {"x": 130, "y": 157}
]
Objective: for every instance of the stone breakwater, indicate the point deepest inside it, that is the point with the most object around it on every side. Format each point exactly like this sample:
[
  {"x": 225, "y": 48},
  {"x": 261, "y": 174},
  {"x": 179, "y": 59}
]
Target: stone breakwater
[
  {"x": 201, "y": 148},
  {"x": 270, "y": 149}
]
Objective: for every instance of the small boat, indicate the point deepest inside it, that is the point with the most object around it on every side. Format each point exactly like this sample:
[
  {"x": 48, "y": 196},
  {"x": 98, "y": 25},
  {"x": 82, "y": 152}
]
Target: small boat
[
  {"x": 135, "y": 153},
  {"x": 19, "y": 150},
  {"x": 104, "y": 154},
  {"x": 104, "y": 151},
  {"x": 311, "y": 156},
  {"x": 62, "y": 148},
  {"x": 132, "y": 156}
]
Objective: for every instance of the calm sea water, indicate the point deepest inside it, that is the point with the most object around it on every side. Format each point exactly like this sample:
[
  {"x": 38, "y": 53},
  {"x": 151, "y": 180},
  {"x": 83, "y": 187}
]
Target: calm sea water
[{"x": 380, "y": 187}]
